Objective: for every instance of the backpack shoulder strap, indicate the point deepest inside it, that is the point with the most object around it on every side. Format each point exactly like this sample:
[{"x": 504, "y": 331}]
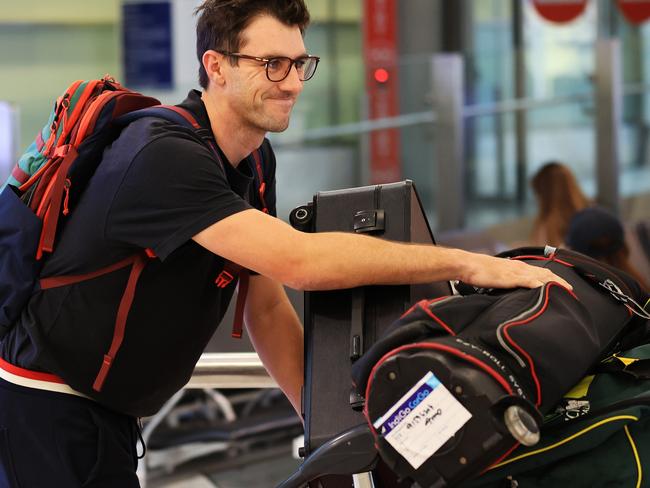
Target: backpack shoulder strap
[
  {"x": 258, "y": 175},
  {"x": 177, "y": 115},
  {"x": 171, "y": 113}
]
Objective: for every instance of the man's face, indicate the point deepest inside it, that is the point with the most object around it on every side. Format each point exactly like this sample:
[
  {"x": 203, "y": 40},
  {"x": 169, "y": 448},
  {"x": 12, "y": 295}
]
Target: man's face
[{"x": 260, "y": 103}]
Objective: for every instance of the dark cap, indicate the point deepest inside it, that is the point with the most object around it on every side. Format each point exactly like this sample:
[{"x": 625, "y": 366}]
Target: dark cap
[{"x": 595, "y": 232}]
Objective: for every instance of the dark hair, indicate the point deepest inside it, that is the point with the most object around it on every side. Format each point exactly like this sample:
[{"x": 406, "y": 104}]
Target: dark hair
[
  {"x": 598, "y": 233},
  {"x": 221, "y": 23}
]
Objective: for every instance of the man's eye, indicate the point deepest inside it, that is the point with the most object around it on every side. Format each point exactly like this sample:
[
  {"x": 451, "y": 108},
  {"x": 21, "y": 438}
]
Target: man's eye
[
  {"x": 274, "y": 64},
  {"x": 300, "y": 63}
]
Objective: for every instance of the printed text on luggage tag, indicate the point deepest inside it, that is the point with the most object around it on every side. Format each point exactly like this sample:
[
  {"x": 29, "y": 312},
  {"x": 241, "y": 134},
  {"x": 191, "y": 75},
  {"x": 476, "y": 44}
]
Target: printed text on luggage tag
[{"x": 422, "y": 420}]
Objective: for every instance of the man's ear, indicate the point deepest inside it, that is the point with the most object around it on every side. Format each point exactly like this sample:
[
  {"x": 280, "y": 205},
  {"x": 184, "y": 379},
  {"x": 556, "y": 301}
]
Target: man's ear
[{"x": 213, "y": 65}]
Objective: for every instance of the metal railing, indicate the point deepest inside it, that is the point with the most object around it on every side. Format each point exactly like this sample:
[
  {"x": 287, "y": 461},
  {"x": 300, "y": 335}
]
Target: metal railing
[
  {"x": 430, "y": 117},
  {"x": 230, "y": 370},
  {"x": 213, "y": 370}
]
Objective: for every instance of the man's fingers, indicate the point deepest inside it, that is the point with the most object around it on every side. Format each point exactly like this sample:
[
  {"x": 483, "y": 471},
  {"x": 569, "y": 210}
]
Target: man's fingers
[
  {"x": 491, "y": 272},
  {"x": 542, "y": 276},
  {"x": 558, "y": 279}
]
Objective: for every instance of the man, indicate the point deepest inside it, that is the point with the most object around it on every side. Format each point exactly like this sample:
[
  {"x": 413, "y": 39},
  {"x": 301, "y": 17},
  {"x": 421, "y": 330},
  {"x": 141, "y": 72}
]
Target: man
[{"x": 160, "y": 187}]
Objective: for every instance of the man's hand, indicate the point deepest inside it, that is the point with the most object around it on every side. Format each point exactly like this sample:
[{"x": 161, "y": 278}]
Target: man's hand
[{"x": 490, "y": 272}]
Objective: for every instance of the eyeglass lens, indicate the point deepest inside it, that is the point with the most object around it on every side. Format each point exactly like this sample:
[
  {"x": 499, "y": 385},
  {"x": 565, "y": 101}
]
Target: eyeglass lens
[{"x": 278, "y": 68}]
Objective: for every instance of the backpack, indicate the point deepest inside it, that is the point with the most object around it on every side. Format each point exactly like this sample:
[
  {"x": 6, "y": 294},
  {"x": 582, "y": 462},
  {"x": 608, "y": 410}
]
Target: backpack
[
  {"x": 458, "y": 382},
  {"x": 50, "y": 177}
]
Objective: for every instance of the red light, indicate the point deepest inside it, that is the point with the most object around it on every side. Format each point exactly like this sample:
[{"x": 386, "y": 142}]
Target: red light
[{"x": 381, "y": 75}]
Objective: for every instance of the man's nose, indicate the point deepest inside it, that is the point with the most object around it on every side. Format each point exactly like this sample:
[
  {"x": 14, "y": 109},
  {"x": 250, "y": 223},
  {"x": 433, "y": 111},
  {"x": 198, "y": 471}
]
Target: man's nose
[{"x": 292, "y": 82}]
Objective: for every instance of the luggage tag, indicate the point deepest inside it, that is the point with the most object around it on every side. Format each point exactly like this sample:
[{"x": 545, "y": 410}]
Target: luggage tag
[{"x": 423, "y": 420}]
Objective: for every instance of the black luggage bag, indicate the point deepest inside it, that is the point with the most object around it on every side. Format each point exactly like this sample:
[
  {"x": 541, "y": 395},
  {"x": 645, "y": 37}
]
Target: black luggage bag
[
  {"x": 459, "y": 382},
  {"x": 341, "y": 325}
]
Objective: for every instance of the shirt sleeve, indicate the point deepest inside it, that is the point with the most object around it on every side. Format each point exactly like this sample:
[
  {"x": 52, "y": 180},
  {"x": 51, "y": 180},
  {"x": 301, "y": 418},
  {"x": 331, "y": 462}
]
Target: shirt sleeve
[{"x": 174, "y": 189}]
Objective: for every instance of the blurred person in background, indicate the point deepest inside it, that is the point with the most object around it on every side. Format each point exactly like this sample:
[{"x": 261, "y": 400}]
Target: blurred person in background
[
  {"x": 558, "y": 197},
  {"x": 598, "y": 233}
]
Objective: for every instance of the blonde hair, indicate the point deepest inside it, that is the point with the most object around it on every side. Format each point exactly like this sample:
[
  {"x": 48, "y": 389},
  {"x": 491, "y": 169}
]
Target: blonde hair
[{"x": 558, "y": 197}]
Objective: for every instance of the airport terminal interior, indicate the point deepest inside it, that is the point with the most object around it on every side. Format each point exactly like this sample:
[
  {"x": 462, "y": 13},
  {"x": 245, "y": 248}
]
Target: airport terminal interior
[{"x": 467, "y": 99}]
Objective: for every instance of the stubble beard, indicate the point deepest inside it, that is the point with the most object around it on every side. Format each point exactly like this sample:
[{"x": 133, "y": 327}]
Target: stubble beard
[
  {"x": 268, "y": 123},
  {"x": 257, "y": 115},
  {"x": 265, "y": 116}
]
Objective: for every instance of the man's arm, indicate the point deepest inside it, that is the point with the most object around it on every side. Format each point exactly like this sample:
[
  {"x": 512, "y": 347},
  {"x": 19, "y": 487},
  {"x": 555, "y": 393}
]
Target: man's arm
[
  {"x": 276, "y": 333},
  {"x": 332, "y": 260}
]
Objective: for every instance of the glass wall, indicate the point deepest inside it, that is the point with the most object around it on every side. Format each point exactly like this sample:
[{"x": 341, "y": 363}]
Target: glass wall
[
  {"x": 417, "y": 148},
  {"x": 555, "y": 75},
  {"x": 489, "y": 139},
  {"x": 557, "y": 115},
  {"x": 635, "y": 156}
]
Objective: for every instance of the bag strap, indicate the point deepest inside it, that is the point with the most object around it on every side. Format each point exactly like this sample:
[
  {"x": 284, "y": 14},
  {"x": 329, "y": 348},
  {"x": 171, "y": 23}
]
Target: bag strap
[
  {"x": 599, "y": 275},
  {"x": 604, "y": 282},
  {"x": 619, "y": 363},
  {"x": 258, "y": 160}
]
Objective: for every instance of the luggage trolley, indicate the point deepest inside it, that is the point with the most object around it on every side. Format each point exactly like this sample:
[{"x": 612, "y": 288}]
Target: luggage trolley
[
  {"x": 340, "y": 325},
  {"x": 446, "y": 409}
]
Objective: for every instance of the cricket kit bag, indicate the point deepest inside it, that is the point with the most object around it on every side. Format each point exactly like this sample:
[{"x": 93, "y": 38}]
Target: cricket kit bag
[
  {"x": 459, "y": 382},
  {"x": 47, "y": 183}
]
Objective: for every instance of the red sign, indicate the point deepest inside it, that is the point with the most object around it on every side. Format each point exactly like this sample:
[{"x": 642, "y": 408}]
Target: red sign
[
  {"x": 382, "y": 88},
  {"x": 635, "y": 11},
  {"x": 560, "y": 11}
]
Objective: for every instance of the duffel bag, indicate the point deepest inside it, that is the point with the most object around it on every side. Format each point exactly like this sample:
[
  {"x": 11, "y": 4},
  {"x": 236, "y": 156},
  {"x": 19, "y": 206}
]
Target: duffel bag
[{"x": 459, "y": 382}]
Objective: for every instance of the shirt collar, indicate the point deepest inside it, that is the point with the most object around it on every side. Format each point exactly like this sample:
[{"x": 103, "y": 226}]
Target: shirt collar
[{"x": 195, "y": 104}]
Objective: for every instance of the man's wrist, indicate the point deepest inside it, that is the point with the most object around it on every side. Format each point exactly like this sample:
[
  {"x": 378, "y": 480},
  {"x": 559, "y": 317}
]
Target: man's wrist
[{"x": 455, "y": 263}]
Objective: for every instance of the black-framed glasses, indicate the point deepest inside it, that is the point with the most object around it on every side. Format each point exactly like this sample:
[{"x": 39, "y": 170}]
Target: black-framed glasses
[{"x": 278, "y": 68}]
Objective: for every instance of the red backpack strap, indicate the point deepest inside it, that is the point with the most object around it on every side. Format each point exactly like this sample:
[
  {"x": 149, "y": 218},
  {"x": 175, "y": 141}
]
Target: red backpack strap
[
  {"x": 261, "y": 189},
  {"x": 244, "y": 274},
  {"x": 228, "y": 273},
  {"x": 242, "y": 291},
  {"x": 50, "y": 205},
  {"x": 137, "y": 263}
]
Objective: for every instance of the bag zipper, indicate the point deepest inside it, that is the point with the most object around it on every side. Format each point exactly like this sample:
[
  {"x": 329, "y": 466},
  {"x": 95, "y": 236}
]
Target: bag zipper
[{"x": 522, "y": 315}]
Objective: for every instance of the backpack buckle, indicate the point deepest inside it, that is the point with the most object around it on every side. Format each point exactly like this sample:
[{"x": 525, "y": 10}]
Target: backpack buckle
[
  {"x": 224, "y": 279},
  {"x": 62, "y": 151}
]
